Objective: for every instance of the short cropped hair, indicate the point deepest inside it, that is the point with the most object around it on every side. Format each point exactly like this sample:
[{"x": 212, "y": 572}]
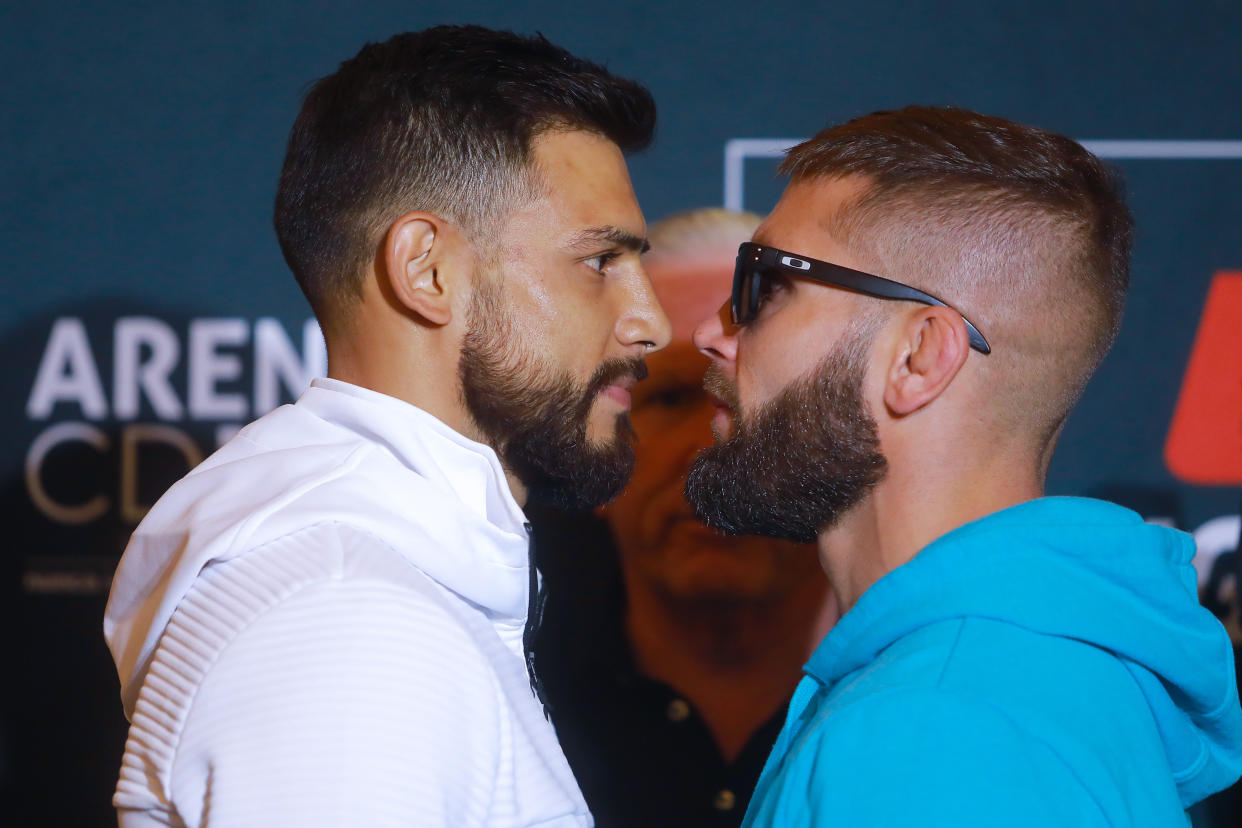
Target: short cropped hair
[
  {"x": 442, "y": 120},
  {"x": 1010, "y": 223}
]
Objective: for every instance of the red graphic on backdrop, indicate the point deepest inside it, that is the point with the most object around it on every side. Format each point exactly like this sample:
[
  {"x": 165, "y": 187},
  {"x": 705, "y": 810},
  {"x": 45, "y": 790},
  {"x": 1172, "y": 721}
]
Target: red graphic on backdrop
[{"x": 1205, "y": 438}]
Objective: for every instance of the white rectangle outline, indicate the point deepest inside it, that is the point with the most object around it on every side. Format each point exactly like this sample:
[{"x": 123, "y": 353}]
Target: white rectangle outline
[{"x": 737, "y": 150}]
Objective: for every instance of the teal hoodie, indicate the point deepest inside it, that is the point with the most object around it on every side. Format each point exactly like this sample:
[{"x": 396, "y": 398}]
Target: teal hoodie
[{"x": 1046, "y": 665}]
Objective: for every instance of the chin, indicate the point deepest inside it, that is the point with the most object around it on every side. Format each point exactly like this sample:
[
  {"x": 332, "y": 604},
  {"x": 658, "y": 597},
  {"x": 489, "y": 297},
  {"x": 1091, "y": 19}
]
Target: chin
[{"x": 603, "y": 431}]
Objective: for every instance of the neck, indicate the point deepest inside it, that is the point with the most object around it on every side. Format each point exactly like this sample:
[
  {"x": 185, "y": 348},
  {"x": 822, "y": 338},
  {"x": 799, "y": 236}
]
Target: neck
[
  {"x": 735, "y": 661},
  {"x": 426, "y": 377},
  {"x": 911, "y": 508}
]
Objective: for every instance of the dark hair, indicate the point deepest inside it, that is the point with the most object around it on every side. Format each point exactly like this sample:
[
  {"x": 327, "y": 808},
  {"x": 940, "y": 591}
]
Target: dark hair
[
  {"x": 441, "y": 120},
  {"x": 973, "y": 162}
]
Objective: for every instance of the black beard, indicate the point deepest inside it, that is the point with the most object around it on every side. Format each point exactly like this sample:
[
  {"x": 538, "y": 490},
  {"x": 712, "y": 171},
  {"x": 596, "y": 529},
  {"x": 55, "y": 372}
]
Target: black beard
[
  {"x": 536, "y": 418},
  {"x": 807, "y": 458}
]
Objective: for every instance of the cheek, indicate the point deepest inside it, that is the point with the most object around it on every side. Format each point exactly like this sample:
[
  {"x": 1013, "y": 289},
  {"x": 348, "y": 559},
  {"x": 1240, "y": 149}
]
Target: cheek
[
  {"x": 768, "y": 362},
  {"x": 577, "y": 330},
  {"x": 540, "y": 297},
  {"x": 760, "y": 377}
]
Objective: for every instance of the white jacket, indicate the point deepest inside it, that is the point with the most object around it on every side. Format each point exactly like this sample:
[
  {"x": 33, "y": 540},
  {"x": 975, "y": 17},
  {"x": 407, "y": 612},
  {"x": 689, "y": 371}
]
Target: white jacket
[{"x": 322, "y": 625}]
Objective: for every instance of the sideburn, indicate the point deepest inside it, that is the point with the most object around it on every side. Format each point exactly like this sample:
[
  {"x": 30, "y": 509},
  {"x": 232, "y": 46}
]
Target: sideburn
[{"x": 536, "y": 418}]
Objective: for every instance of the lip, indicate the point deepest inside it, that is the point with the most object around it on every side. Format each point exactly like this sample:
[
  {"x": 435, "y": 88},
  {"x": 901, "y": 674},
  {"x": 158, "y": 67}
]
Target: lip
[
  {"x": 722, "y": 417},
  {"x": 716, "y": 399},
  {"x": 722, "y": 423},
  {"x": 619, "y": 392}
]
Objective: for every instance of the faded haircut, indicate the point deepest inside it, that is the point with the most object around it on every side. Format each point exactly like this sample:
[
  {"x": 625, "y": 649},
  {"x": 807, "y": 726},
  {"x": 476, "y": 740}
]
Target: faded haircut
[
  {"x": 443, "y": 121},
  {"x": 1023, "y": 230}
]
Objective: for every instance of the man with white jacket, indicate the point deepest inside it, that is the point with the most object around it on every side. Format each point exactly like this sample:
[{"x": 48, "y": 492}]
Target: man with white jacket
[{"x": 324, "y": 623}]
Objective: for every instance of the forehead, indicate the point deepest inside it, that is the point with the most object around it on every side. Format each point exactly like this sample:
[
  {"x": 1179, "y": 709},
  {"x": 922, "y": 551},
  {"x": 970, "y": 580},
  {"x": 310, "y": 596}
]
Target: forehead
[
  {"x": 691, "y": 289},
  {"x": 585, "y": 182},
  {"x": 812, "y": 315},
  {"x": 799, "y": 223}
]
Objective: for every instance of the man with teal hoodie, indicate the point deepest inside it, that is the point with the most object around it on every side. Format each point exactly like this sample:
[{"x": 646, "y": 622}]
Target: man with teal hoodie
[{"x": 907, "y": 333}]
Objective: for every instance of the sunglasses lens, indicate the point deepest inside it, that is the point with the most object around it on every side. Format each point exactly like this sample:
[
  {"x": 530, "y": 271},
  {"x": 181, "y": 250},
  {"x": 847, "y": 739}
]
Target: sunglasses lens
[
  {"x": 745, "y": 300},
  {"x": 736, "y": 300}
]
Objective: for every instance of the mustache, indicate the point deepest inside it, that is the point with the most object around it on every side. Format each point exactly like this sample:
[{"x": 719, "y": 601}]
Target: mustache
[
  {"x": 614, "y": 369},
  {"x": 718, "y": 385}
]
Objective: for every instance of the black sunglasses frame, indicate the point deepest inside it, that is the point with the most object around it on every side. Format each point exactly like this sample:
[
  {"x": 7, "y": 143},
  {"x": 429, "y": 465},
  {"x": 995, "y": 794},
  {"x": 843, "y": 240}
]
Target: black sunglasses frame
[{"x": 754, "y": 261}]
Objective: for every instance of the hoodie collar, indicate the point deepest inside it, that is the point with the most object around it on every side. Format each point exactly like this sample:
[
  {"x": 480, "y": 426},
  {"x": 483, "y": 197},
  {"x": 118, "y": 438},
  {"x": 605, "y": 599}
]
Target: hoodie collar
[
  {"x": 976, "y": 570},
  {"x": 424, "y": 444},
  {"x": 1073, "y": 568}
]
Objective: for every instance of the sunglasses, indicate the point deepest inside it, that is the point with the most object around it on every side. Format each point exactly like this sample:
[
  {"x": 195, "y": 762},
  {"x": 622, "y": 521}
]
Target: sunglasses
[{"x": 757, "y": 264}]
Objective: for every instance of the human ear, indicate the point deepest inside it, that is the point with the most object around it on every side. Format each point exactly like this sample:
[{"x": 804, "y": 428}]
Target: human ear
[
  {"x": 933, "y": 346},
  {"x": 415, "y": 255}
]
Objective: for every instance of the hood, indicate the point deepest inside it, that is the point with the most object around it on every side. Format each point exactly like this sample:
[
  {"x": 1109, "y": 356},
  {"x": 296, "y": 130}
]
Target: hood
[
  {"x": 1081, "y": 569},
  {"x": 340, "y": 454}
]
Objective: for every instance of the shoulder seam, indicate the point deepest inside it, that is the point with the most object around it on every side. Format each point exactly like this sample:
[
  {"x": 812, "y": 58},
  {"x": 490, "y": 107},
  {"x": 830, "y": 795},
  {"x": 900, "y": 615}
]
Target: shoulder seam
[
  {"x": 246, "y": 528},
  {"x": 948, "y": 657}
]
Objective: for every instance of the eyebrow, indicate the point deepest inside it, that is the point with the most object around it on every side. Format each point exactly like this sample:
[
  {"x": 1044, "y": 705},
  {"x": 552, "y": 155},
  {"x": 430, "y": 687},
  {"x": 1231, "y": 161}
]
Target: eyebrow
[{"x": 610, "y": 234}]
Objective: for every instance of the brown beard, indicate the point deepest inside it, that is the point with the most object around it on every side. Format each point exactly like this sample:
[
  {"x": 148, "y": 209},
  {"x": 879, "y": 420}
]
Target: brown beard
[
  {"x": 535, "y": 417},
  {"x": 805, "y": 459}
]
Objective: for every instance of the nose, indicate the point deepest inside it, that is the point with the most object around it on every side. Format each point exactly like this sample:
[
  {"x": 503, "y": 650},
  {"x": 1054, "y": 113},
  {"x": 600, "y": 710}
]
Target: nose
[
  {"x": 716, "y": 336},
  {"x": 644, "y": 322}
]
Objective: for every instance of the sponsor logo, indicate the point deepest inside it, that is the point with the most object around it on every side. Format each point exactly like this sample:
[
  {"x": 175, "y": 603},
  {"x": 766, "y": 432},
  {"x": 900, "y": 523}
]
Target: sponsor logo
[{"x": 108, "y": 435}]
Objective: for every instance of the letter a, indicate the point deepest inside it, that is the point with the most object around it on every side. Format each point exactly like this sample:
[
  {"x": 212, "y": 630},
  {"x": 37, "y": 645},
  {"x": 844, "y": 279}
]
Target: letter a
[{"x": 67, "y": 373}]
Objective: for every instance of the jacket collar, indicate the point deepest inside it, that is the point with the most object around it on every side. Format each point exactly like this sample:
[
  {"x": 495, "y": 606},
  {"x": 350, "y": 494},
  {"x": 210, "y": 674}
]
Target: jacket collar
[{"x": 424, "y": 444}]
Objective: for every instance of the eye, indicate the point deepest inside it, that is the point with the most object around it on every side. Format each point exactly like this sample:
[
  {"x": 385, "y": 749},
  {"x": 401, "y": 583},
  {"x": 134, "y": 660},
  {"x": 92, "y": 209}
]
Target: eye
[
  {"x": 600, "y": 261},
  {"x": 769, "y": 285}
]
